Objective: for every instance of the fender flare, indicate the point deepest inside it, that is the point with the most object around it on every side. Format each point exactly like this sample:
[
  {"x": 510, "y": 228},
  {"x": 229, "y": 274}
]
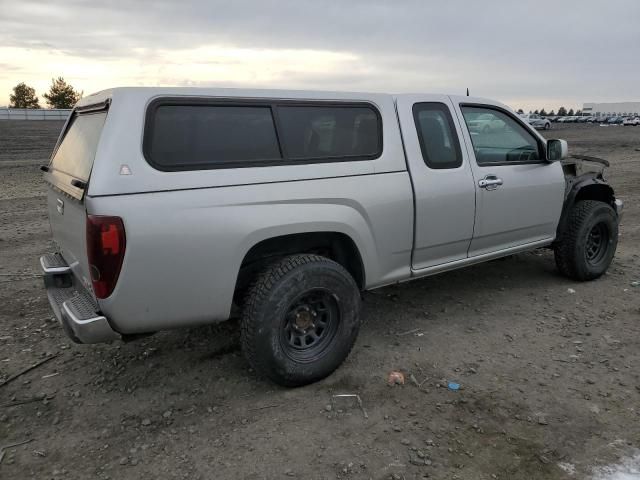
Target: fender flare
[{"x": 589, "y": 180}]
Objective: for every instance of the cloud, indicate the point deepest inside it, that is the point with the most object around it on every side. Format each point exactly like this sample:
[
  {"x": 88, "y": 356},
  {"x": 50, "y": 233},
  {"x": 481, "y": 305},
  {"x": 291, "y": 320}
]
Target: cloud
[{"x": 571, "y": 51}]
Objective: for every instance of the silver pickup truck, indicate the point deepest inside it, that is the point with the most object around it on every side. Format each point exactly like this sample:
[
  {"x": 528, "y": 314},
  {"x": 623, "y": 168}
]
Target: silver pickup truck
[{"x": 173, "y": 207}]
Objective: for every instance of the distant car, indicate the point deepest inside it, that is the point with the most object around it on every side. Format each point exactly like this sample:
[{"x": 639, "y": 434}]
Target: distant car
[
  {"x": 486, "y": 123},
  {"x": 631, "y": 121},
  {"x": 615, "y": 121},
  {"x": 582, "y": 119},
  {"x": 536, "y": 121}
]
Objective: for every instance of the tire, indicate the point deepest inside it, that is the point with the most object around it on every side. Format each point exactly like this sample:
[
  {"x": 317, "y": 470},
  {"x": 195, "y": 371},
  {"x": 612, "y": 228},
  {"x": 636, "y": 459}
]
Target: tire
[
  {"x": 300, "y": 319},
  {"x": 579, "y": 254},
  {"x": 547, "y": 126}
]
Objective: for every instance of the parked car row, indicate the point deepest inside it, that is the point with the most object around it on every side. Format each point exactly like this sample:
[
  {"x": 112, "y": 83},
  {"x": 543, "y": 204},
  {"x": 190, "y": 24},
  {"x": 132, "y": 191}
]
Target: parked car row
[
  {"x": 608, "y": 120},
  {"x": 575, "y": 119}
]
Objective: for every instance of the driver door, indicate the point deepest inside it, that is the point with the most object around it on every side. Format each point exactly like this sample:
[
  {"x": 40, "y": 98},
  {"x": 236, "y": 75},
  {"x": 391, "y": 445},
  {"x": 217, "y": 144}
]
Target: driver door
[{"x": 519, "y": 195}]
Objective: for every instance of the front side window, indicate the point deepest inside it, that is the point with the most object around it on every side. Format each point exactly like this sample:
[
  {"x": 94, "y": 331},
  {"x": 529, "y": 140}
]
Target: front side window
[
  {"x": 202, "y": 136},
  {"x": 313, "y": 132},
  {"x": 437, "y": 135},
  {"x": 499, "y": 139}
]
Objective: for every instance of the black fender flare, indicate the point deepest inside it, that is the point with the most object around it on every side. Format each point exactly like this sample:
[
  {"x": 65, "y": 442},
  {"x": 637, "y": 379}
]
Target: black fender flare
[{"x": 590, "y": 186}]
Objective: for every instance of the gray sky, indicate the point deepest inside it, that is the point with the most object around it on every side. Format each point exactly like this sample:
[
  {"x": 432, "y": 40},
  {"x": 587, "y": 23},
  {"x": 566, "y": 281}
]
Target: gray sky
[{"x": 527, "y": 54}]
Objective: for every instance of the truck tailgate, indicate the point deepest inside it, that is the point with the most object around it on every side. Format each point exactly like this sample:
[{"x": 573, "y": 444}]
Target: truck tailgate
[
  {"x": 67, "y": 176},
  {"x": 67, "y": 217}
]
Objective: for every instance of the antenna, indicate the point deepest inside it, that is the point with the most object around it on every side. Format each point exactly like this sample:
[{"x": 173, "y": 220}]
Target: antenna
[{"x": 467, "y": 92}]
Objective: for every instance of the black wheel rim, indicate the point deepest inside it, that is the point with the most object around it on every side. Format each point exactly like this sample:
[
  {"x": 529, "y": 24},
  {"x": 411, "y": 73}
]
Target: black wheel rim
[
  {"x": 597, "y": 244},
  {"x": 310, "y": 325}
]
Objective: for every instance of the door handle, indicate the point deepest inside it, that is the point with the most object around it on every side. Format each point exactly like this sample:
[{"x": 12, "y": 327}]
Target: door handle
[{"x": 490, "y": 182}]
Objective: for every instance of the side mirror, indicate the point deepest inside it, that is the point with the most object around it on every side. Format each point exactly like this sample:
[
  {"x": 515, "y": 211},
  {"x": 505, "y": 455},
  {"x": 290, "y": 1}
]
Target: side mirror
[{"x": 557, "y": 150}]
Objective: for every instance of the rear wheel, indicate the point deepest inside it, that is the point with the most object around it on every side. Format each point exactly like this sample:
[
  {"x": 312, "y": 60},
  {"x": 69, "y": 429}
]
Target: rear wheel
[
  {"x": 588, "y": 243},
  {"x": 300, "y": 319}
]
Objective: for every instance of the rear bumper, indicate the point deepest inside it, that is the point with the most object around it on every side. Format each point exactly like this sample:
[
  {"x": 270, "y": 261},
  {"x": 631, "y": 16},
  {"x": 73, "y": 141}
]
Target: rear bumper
[{"x": 73, "y": 306}]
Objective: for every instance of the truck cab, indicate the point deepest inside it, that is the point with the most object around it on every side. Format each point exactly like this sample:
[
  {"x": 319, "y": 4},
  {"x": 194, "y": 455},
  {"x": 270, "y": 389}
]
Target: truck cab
[{"x": 479, "y": 192}]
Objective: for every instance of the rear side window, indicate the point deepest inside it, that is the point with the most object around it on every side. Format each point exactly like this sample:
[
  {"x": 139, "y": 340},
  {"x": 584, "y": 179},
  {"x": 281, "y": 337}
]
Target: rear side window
[
  {"x": 77, "y": 151},
  {"x": 437, "y": 135},
  {"x": 193, "y": 136},
  {"x": 204, "y": 135},
  {"x": 318, "y": 132}
]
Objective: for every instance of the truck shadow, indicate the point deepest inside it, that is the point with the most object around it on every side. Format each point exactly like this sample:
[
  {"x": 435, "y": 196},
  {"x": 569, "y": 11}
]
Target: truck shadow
[{"x": 386, "y": 312}]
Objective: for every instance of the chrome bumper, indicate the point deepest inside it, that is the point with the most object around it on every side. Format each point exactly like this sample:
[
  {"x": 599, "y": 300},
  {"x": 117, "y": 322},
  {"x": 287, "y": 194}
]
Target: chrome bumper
[
  {"x": 619, "y": 206},
  {"x": 73, "y": 306}
]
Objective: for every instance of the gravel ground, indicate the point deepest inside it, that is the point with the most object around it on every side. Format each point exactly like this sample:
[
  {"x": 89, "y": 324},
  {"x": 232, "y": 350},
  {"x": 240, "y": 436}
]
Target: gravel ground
[{"x": 548, "y": 368}]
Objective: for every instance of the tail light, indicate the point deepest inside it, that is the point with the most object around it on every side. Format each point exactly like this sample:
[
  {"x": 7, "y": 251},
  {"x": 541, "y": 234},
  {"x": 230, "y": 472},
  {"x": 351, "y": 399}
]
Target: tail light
[{"x": 106, "y": 244}]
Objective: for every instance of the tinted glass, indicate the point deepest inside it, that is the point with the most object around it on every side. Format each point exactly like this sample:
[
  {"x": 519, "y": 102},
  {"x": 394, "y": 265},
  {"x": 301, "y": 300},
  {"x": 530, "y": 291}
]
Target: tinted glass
[
  {"x": 497, "y": 138},
  {"x": 316, "y": 132},
  {"x": 205, "y": 136},
  {"x": 437, "y": 135},
  {"x": 77, "y": 151}
]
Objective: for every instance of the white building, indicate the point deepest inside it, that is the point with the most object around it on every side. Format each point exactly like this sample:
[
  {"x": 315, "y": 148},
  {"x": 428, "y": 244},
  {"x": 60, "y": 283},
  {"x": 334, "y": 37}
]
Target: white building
[{"x": 610, "y": 109}]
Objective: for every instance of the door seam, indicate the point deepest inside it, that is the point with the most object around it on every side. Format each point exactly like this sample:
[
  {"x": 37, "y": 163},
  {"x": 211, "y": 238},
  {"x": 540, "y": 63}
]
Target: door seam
[{"x": 462, "y": 125}]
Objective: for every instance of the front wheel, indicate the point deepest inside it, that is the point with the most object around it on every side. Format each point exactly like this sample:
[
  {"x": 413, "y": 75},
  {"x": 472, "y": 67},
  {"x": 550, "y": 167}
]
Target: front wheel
[
  {"x": 300, "y": 319},
  {"x": 588, "y": 243}
]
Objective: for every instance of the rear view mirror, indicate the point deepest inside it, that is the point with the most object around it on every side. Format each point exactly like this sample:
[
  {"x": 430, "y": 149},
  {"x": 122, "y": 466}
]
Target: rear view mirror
[{"x": 557, "y": 150}]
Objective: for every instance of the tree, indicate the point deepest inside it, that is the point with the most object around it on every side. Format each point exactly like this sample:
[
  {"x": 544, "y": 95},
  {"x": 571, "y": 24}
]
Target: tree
[
  {"x": 536, "y": 112},
  {"x": 61, "y": 94},
  {"x": 571, "y": 114},
  {"x": 520, "y": 110},
  {"x": 562, "y": 112},
  {"x": 552, "y": 113},
  {"x": 543, "y": 112},
  {"x": 24, "y": 96},
  {"x": 579, "y": 112}
]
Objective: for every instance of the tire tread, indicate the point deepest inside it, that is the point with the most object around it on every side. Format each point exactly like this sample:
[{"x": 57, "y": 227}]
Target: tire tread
[
  {"x": 565, "y": 247},
  {"x": 257, "y": 295}
]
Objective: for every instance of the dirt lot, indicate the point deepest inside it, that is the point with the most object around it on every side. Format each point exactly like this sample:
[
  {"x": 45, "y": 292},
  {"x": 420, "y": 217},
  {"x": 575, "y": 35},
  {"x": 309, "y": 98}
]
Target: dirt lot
[{"x": 548, "y": 368}]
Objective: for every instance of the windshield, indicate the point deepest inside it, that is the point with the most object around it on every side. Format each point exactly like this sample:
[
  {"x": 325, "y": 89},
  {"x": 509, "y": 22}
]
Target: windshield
[{"x": 76, "y": 153}]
